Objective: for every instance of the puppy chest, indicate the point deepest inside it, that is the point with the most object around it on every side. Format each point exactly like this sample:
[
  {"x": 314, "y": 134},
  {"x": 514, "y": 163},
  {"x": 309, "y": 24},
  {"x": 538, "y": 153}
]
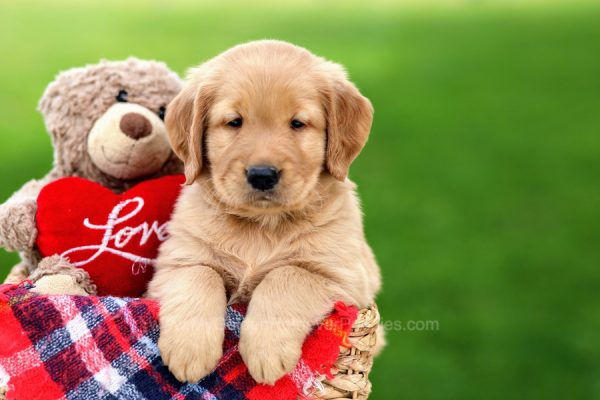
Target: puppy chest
[{"x": 251, "y": 255}]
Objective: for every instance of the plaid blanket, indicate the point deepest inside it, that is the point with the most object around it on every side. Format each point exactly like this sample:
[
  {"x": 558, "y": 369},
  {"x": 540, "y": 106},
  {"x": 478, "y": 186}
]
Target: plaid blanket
[{"x": 71, "y": 347}]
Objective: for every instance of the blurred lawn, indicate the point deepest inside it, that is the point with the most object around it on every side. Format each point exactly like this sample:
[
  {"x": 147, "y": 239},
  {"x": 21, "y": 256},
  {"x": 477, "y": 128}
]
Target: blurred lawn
[{"x": 480, "y": 182}]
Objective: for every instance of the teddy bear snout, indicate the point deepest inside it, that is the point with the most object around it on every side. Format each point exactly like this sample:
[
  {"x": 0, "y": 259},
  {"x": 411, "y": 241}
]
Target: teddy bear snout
[
  {"x": 128, "y": 141},
  {"x": 135, "y": 125}
]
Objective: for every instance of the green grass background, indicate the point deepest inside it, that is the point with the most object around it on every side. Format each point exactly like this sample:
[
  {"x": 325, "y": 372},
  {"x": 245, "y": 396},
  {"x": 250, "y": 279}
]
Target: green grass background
[{"x": 480, "y": 183}]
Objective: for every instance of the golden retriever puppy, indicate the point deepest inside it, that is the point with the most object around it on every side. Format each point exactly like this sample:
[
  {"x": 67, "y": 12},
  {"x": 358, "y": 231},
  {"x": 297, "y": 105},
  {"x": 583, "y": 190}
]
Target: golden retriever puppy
[{"x": 267, "y": 132}]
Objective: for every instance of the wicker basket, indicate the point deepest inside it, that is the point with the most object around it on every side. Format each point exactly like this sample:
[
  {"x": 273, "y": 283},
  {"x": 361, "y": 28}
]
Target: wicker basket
[{"x": 351, "y": 375}]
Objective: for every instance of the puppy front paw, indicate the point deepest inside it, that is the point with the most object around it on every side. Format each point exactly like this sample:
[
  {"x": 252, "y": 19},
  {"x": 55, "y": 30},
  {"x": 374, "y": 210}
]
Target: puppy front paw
[
  {"x": 269, "y": 352},
  {"x": 191, "y": 349}
]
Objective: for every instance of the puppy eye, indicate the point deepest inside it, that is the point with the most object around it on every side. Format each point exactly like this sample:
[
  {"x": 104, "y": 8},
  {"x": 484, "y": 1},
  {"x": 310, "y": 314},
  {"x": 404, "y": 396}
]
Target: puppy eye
[
  {"x": 161, "y": 112},
  {"x": 296, "y": 124},
  {"x": 235, "y": 123},
  {"x": 122, "y": 96}
]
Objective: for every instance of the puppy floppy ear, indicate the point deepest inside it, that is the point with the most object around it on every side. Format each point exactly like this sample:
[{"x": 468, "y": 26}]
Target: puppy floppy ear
[
  {"x": 185, "y": 120},
  {"x": 349, "y": 118}
]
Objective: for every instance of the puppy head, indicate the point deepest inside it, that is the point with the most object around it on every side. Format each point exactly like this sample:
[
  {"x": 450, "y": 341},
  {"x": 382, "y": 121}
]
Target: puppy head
[{"x": 264, "y": 120}]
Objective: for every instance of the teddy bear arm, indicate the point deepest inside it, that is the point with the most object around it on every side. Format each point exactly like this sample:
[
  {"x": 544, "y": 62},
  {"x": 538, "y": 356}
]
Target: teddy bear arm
[{"x": 18, "y": 230}]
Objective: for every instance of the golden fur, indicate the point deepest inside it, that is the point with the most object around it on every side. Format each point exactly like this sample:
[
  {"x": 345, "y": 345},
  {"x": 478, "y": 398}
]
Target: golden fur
[{"x": 290, "y": 252}]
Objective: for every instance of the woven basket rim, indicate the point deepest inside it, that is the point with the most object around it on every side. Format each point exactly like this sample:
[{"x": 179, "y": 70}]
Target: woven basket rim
[{"x": 350, "y": 376}]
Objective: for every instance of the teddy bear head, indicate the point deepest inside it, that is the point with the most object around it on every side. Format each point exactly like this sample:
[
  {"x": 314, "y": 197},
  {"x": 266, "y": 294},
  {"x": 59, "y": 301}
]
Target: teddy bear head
[{"x": 106, "y": 121}]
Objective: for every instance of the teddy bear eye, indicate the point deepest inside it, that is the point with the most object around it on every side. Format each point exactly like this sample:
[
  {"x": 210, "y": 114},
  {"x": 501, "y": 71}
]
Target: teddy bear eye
[
  {"x": 161, "y": 112},
  {"x": 122, "y": 96}
]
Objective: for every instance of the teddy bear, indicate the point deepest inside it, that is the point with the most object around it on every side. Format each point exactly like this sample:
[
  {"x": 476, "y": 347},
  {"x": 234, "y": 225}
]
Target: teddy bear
[{"x": 106, "y": 126}]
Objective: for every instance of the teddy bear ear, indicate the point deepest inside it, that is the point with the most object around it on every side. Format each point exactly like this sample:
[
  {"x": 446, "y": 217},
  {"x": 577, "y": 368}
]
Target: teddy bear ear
[
  {"x": 55, "y": 103},
  {"x": 50, "y": 104},
  {"x": 185, "y": 120}
]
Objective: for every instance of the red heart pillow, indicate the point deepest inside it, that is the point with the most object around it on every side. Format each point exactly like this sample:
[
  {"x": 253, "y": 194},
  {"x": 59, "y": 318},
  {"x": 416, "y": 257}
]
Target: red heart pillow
[{"x": 115, "y": 238}]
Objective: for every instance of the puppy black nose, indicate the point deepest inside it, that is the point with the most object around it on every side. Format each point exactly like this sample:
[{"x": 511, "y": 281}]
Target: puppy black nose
[
  {"x": 262, "y": 177},
  {"x": 135, "y": 125}
]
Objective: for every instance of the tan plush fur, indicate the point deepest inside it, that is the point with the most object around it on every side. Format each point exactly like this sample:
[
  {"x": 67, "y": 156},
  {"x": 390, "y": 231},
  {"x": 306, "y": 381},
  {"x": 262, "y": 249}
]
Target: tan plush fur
[
  {"x": 290, "y": 252},
  {"x": 77, "y": 101},
  {"x": 121, "y": 156},
  {"x": 55, "y": 275}
]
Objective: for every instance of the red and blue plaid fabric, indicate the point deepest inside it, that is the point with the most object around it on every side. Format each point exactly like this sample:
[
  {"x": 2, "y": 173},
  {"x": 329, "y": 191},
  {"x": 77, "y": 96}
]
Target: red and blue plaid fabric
[{"x": 74, "y": 347}]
